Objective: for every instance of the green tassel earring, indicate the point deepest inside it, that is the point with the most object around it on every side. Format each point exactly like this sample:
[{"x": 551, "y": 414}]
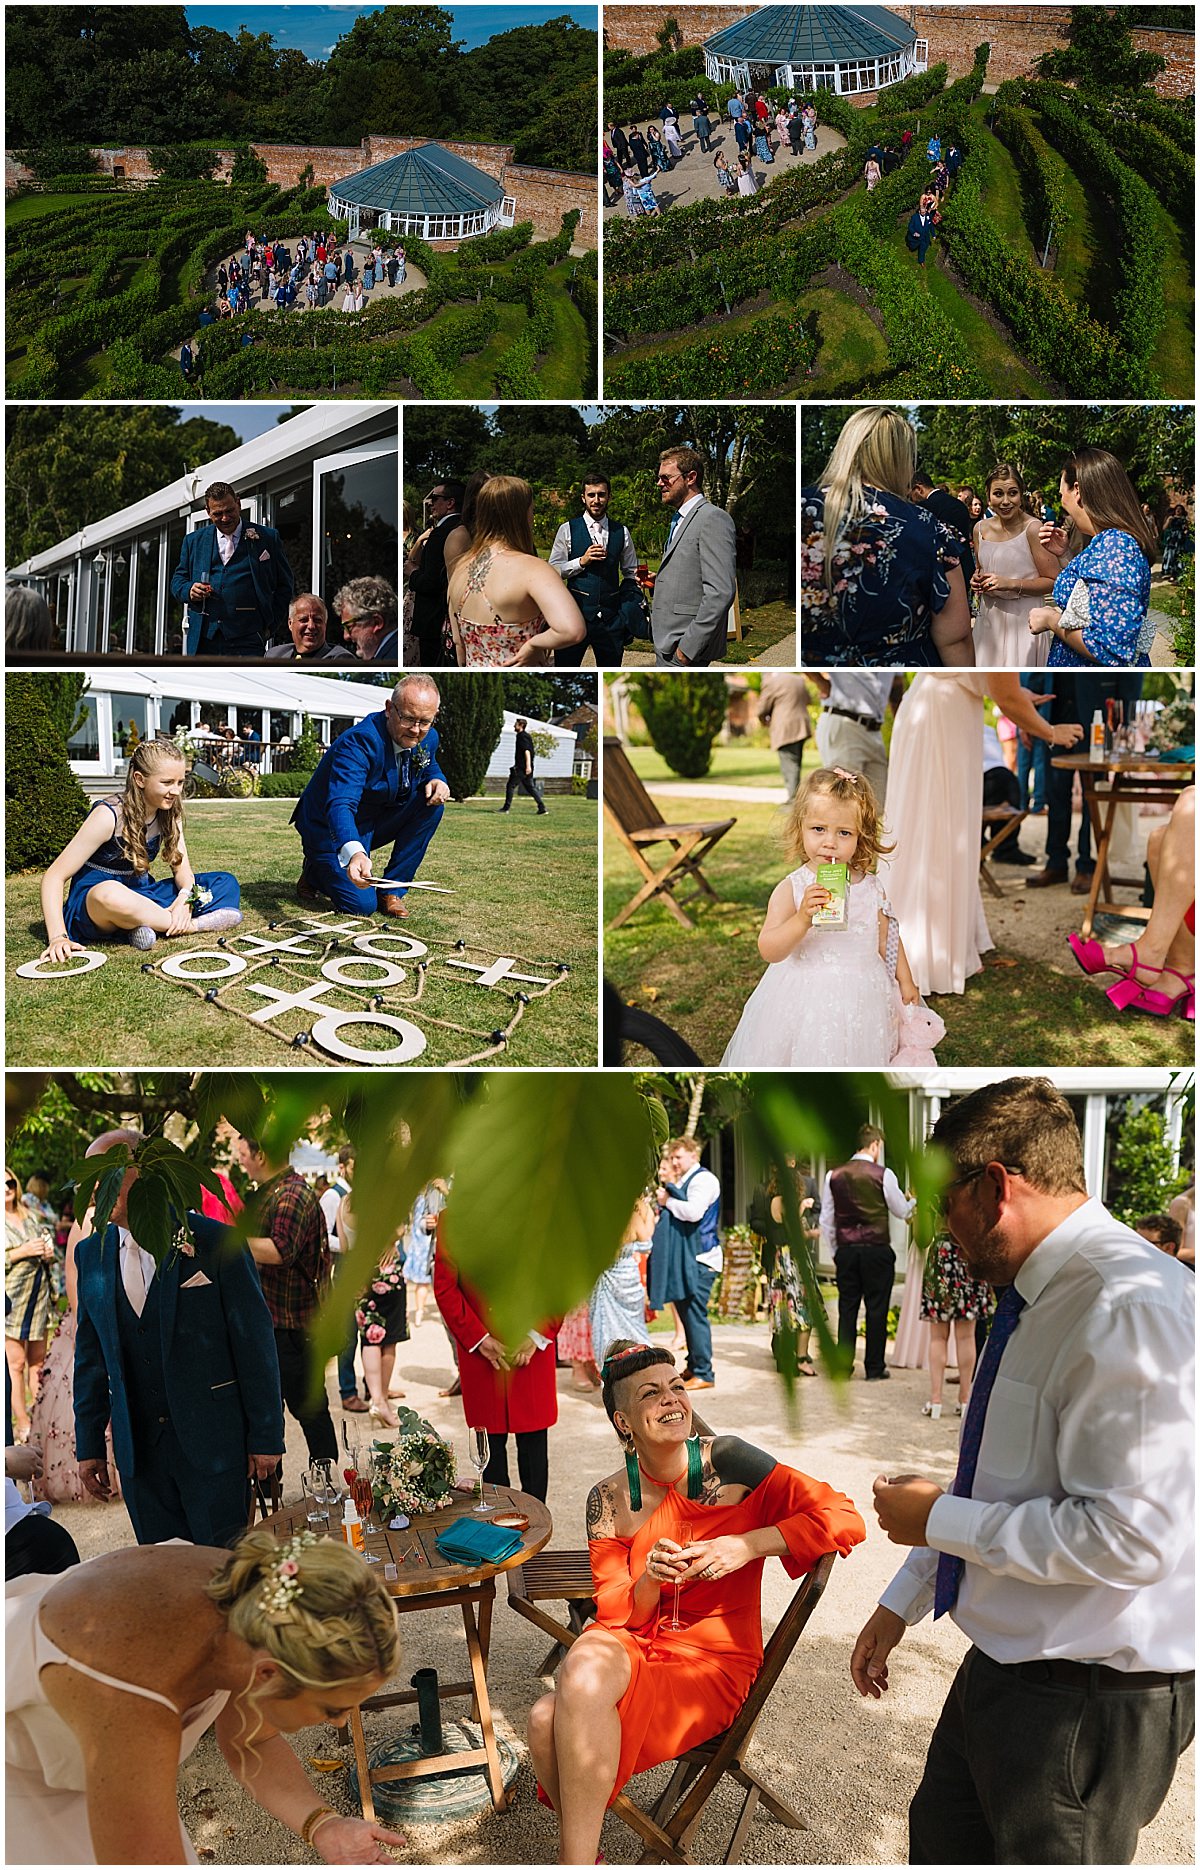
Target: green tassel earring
[
  {"x": 695, "y": 1468},
  {"x": 635, "y": 1480}
]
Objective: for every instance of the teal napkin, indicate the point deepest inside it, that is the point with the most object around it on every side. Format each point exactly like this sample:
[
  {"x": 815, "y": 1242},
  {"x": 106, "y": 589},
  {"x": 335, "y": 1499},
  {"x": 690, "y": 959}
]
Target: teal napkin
[{"x": 474, "y": 1542}]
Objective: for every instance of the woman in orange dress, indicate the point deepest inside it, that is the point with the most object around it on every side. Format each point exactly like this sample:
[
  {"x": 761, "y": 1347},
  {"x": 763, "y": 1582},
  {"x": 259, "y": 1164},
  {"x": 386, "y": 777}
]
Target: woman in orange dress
[{"x": 632, "y": 1692}]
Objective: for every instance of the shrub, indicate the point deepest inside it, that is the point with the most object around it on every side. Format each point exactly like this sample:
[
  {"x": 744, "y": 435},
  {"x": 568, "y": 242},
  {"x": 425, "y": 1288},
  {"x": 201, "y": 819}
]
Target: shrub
[
  {"x": 766, "y": 582},
  {"x": 1041, "y": 172},
  {"x": 307, "y": 752},
  {"x": 282, "y": 785},
  {"x": 683, "y": 715},
  {"x": 1183, "y": 637},
  {"x": 912, "y": 92},
  {"x": 759, "y": 359},
  {"x": 579, "y": 786},
  {"x": 44, "y": 801},
  {"x": 184, "y": 162},
  {"x": 49, "y": 160},
  {"x": 1144, "y": 1176},
  {"x": 248, "y": 165},
  {"x": 470, "y": 723}
]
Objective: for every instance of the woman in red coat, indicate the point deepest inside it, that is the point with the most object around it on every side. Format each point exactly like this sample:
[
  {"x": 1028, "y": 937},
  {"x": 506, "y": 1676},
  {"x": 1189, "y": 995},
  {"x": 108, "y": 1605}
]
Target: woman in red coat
[
  {"x": 634, "y": 1691},
  {"x": 504, "y": 1391}
]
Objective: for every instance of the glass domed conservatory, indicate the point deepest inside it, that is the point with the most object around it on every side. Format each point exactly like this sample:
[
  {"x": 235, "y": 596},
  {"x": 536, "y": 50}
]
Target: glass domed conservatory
[
  {"x": 429, "y": 192},
  {"x": 847, "y": 49}
]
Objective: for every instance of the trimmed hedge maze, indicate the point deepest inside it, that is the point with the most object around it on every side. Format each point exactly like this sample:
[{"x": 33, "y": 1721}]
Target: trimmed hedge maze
[
  {"x": 710, "y": 299},
  {"x": 503, "y": 315}
]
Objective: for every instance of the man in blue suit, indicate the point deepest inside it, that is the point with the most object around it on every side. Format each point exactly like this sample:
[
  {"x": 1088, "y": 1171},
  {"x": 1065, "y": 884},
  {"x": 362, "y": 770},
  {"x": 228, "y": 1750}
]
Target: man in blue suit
[
  {"x": 920, "y": 233},
  {"x": 235, "y": 580},
  {"x": 181, "y": 1357},
  {"x": 379, "y": 783}
]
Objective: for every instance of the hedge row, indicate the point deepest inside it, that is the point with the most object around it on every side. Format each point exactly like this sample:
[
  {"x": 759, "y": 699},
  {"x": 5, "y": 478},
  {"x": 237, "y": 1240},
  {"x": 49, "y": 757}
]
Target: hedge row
[
  {"x": 758, "y": 360},
  {"x": 1169, "y": 171},
  {"x": 1041, "y": 172},
  {"x": 913, "y": 93},
  {"x": 1138, "y": 254}
]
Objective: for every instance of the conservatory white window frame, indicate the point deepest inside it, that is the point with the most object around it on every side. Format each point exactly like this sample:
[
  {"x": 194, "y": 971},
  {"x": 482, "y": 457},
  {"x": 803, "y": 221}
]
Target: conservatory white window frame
[{"x": 470, "y": 225}]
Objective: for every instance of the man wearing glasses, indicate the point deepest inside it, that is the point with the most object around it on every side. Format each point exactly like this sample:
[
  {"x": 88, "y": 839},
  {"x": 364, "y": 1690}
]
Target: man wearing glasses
[
  {"x": 379, "y": 783},
  {"x": 697, "y": 577},
  {"x": 428, "y": 580},
  {"x": 1064, "y": 1551},
  {"x": 369, "y": 614}
]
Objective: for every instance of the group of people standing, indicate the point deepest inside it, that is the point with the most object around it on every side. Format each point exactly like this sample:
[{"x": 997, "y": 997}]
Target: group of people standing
[
  {"x": 268, "y": 270},
  {"x": 479, "y": 595},
  {"x": 943, "y": 169},
  {"x": 631, "y": 158},
  {"x": 890, "y": 564}
]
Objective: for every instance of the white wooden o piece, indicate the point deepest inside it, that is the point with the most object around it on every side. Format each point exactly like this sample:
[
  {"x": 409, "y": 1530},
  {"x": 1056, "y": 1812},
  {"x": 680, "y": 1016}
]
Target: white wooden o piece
[
  {"x": 59, "y": 970},
  {"x": 218, "y": 966},
  {"x": 408, "y": 944},
  {"x": 386, "y": 973},
  {"x": 325, "y": 1034}
]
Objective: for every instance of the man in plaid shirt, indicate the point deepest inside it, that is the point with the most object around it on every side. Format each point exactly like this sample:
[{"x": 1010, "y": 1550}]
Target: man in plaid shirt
[{"x": 291, "y": 1251}]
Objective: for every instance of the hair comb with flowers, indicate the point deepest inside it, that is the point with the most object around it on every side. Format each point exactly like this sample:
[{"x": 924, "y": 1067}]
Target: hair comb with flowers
[
  {"x": 620, "y": 1356},
  {"x": 282, "y": 1583}
]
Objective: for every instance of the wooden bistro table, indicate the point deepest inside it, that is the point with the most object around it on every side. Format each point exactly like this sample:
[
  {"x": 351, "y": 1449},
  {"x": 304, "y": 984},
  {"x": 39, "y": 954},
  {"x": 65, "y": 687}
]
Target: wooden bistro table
[
  {"x": 425, "y": 1580},
  {"x": 1125, "y": 779}
]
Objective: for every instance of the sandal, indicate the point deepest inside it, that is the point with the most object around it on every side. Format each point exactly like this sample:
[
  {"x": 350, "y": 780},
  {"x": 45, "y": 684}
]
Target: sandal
[
  {"x": 933, "y": 1410},
  {"x": 1162, "y": 1005},
  {"x": 1090, "y": 956},
  {"x": 1127, "y": 990},
  {"x": 805, "y": 1367}
]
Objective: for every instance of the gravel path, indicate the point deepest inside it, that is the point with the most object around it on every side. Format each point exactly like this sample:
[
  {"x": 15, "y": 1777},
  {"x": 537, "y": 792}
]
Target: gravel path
[
  {"x": 851, "y": 1767},
  {"x": 694, "y": 178}
]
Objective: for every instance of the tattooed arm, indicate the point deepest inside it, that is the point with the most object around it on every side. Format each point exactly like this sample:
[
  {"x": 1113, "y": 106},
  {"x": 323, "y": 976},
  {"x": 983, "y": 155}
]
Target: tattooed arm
[{"x": 622, "y": 1600}]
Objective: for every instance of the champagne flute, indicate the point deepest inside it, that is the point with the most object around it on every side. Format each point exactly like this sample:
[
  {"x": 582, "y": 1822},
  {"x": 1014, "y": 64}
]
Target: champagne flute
[
  {"x": 481, "y": 1453},
  {"x": 364, "y": 1499},
  {"x": 685, "y": 1538}
]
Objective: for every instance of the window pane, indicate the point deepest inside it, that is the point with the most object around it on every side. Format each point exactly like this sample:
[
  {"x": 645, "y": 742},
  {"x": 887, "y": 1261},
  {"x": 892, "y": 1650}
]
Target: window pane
[
  {"x": 129, "y": 711},
  {"x": 118, "y": 617},
  {"x": 174, "y": 712},
  {"x": 359, "y": 523},
  {"x": 292, "y": 520},
  {"x": 145, "y": 610},
  {"x": 84, "y": 743}
]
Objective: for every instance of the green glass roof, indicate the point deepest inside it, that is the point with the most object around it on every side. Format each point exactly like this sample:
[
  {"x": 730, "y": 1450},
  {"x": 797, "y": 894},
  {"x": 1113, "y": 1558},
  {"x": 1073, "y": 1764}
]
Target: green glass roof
[
  {"x": 427, "y": 180},
  {"x": 812, "y": 35}
]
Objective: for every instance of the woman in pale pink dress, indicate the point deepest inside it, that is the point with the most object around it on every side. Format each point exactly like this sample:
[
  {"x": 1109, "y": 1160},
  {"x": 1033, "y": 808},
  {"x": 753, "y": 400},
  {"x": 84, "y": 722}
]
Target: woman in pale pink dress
[
  {"x": 935, "y": 814},
  {"x": 575, "y": 1346},
  {"x": 52, "y": 1422},
  {"x": 508, "y": 609},
  {"x": 1013, "y": 574}
]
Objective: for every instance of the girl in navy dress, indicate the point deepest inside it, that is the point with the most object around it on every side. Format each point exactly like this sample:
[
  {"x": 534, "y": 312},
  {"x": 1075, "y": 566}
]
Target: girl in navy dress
[
  {"x": 112, "y": 896},
  {"x": 1100, "y": 612}
]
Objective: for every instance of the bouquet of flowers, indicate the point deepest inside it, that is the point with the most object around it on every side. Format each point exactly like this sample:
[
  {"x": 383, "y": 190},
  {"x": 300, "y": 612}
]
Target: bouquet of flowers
[
  {"x": 414, "y": 1473},
  {"x": 1174, "y": 728}
]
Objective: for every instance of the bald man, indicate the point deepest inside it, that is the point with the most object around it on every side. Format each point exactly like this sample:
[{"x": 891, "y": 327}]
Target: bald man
[{"x": 181, "y": 1358}]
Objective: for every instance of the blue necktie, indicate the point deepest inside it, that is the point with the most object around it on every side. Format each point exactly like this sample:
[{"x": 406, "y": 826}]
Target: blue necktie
[
  {"x": 670, "y": 533},
  {"x": 950, "y": 1569}
]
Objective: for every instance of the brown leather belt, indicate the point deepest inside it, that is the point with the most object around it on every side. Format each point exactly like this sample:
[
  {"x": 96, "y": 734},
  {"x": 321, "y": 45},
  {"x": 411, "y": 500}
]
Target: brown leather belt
[
  {"x": 1095, "y": 1677},
  {"x": 864, "y": 720}
]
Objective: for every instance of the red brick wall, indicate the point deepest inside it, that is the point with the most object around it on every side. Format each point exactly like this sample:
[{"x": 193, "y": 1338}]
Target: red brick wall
[
  {"x": 543, "y": 196},
  {"x": 1018, "y": 35}
]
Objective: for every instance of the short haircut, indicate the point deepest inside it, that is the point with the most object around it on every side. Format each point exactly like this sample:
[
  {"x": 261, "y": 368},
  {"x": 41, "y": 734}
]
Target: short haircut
[
  {"x": 626, "y": 1358},
  {"x": 369, "y": 596},
  {"x": 868, "y": 1134},
  {"x": 416, "y": 680},
  {"x": 453, "y": 489},
  {"x": 520, "y": 721},
  {"x": 920, "y": 478},
  {"x": 687, "y": 460},
  {"x": 1025, "y": 1123},
  {"x": 309, "y": 597},
  {"x": 220, "y": 490},
  {"x": 1163, "y": 1228},
  {"x": 685, "y": 1142},
  {"x": 597, "y": 480},
  {"x": 346, "y": 1154}
]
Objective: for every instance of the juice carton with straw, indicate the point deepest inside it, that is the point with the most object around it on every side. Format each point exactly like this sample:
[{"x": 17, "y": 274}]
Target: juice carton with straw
[{"x": 836, "y": 879}]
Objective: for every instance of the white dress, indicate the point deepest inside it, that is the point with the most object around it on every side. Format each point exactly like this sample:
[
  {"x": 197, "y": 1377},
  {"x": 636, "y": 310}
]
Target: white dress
[
  {"x": 45, "y": 1779},
  {"x": 830, "y": 1002}
]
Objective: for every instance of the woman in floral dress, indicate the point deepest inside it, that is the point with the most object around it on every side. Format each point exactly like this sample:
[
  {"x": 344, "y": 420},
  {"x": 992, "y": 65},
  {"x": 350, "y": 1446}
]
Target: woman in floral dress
[
  {"x": 382, "y": 1319},
  {"x": 951, "y": 1297}
]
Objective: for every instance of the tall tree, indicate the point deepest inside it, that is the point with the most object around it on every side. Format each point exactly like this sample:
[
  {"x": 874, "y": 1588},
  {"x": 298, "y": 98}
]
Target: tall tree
[{"x": 1100, "y": 55}]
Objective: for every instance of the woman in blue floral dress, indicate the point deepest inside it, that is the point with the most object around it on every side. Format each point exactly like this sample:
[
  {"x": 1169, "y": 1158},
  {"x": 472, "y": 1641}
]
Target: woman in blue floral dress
[
  {"x": 1100, "y": 612},
  {"x": 881, "y": 580}
]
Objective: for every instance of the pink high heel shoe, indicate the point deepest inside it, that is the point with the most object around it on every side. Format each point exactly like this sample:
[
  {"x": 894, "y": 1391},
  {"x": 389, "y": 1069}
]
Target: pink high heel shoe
[
  {"x": 1127, "y": 990},
  {"x": 1150, "y": 1000},
  {"x": 1090, "y": 956}
]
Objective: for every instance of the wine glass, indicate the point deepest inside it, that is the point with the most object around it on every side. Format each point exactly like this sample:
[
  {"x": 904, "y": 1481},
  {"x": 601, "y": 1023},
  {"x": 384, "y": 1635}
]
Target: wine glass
[
  {"x": 685, "y": 1538},
  {"x": 316, "y": 1506},
  {"x": 480, "y": 1451},
  {"x": 364, "y": 1499}
]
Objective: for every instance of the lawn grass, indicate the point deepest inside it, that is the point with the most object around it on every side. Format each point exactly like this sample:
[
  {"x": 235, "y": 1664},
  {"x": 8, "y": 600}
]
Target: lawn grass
[
  {"x": 1008, "y": 375},
  {"x": 568, "y": 369},
  {"x": 502, "y": 904},
  {"x": 1017, "y": 1012},
  {"x": 742, "y": 764},
  {"x": 1174, "y": 356},
  {"x": 852, "y": 347},
  {"x": 32, "y": 207}
]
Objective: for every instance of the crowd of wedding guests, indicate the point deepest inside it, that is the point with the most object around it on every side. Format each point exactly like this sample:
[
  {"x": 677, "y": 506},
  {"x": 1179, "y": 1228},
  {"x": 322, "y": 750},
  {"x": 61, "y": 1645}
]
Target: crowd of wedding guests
[
  {"x": 631, "y": 158},
  {"x": 318, "y": 272}
]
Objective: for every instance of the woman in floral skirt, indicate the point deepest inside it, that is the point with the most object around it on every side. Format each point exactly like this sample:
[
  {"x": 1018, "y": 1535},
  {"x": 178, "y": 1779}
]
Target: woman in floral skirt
[
  {"x": 382, "y": 1319},
  {"x": 951, "y": 1297}
]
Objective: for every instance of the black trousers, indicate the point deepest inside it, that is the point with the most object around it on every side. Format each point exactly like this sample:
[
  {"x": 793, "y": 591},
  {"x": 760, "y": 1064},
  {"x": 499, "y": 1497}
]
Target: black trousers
[
  {"x": 310, "y": 1407},
  {"x": 864, "y": 1278},
  {"x": 1021, "y": 1771},
  {"x": 533, "y": 1462},
  {"x": 37, "y": 1544},
  {"x": 523, "y": 782}
]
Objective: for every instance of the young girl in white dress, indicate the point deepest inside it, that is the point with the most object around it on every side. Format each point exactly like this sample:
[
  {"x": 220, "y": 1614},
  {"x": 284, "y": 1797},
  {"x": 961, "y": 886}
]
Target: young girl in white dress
[{"x": 827, "y": 997}]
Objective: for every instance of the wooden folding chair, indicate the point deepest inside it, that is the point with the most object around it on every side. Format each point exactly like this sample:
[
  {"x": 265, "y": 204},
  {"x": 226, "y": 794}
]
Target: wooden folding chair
[
  {"x": 637, "y": 822},
  {"x": 554, "y": 1576},
  {"x": 667, "y": 1829},
  {"x": 266, "y": 1498},
  {"x": 1008, "y": 823}
]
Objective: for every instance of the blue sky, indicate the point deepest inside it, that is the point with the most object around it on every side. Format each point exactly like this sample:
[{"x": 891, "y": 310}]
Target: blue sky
[
  {"x": 314, "y": 30},
  {"x": 245, "y": 419}
]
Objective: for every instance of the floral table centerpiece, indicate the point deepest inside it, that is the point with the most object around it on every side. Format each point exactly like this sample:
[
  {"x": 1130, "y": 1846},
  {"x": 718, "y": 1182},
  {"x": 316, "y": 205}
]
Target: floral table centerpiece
[{"x": 414, "y": 1473}]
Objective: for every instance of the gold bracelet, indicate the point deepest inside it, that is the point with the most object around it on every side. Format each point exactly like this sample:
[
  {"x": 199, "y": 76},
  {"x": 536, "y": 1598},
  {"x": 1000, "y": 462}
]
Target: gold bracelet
[{"x": 316, "y": 1817}]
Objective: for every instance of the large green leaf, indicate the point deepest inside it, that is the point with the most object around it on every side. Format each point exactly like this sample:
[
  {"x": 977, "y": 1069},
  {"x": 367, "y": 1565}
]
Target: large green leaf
[{"x": 547, "y": 1168}]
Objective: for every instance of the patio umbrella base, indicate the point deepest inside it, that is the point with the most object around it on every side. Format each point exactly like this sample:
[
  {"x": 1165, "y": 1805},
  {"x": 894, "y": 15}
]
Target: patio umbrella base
[{"x": 451, "y": 1793}]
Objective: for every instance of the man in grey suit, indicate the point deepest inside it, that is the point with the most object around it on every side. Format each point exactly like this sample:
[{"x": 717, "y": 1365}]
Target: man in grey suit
[{"x": 697, "y": 577}]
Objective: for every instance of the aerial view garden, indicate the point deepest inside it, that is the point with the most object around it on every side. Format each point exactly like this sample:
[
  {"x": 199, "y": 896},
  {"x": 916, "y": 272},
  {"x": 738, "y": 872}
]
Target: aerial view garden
[
  {"x": 140, "y": 180},
  {"x": 1062, "y": 264}
]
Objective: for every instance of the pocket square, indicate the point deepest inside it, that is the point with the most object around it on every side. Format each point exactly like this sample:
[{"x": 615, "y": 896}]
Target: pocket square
[
  {"x": 264, "y": 558},
  {"x": 197, "y": 1279}
]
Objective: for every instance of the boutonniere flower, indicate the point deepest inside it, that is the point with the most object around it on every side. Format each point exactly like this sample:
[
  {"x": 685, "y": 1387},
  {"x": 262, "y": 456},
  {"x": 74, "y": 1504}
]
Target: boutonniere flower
[
  {"x": 252, "y": 532},
  {"x": 182, "y": 1243},
  {"x": 198, "y": 898},
  {"x": 420, "y": 757}
]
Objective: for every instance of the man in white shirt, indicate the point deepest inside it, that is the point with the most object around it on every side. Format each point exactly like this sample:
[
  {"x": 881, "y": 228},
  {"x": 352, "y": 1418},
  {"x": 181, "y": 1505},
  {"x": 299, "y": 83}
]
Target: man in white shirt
[
  {"x": 687, "y": 1242},
  {"x": 855, "y": 1205},
  {"x": 850, "y": 726},
  {"x": 595, "y": 557},
  {"x": 331, "y": 1202},
  {"x": 1064, "y": 1551}
]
